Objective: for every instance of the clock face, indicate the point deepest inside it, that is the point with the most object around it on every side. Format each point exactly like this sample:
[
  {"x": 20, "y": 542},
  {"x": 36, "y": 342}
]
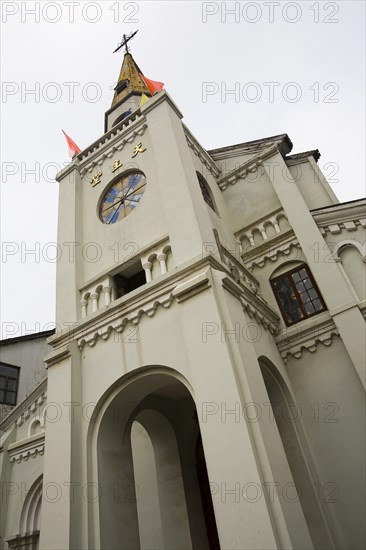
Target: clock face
[{"x": 122, "y": 197}]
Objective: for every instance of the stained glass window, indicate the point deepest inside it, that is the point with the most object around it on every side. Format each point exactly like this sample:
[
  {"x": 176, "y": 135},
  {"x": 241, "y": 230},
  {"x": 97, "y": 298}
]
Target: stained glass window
[
  {"x": 9, "y": 376},
  {"x": 122, "y": 198},
  {"x": 297, "y": 295}
]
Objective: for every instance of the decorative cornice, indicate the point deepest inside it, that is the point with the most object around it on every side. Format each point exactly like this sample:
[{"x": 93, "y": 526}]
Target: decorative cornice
[
  {"x": 237, "y": 270},
  {"x": 26, "y": 407},
  {"x": 106, "y": 139},
  {"x": 56, "y": 356},
  {"x": 120, "y": 320},
  {"x": 345, "y": 215},
  {"x": 96, "y": 147},
  {"x": 245, "y": 287},
  {"x": 250, "y": 165},
  {"x": 179, "y": 286},
  {"x": 300, "y": 158},
  {"x": 180, "y": 293},
  {"x": 256, "y": 308},
  {"x": 282, "y": 141},
  {"x": 201, "y": 153},
  {"x": 274, "y": 253},
  {"x": 130, "y": 308},
  {"x": 26, "y": 448},
  {"x": 340, "y": 226},
  {"x": 271, "y": 250},
  {"x": 193, "y": 286},
  {"x": 306, "y": 335},
  {"x": 116, "y": 145},
  {"x": 32, "y": 408},
  {"x": 266, "y": 319}
]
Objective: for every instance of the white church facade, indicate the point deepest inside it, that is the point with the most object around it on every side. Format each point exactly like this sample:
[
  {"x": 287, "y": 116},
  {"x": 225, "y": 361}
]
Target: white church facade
[{"x": 205, "y": 385}]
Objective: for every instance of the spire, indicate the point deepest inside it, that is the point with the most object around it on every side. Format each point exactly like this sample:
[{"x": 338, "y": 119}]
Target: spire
[{"x": 129, "y": 81}]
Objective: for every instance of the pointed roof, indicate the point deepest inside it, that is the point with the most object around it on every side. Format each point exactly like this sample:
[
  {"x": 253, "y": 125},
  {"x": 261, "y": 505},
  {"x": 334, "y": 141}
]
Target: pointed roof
[{"x": 129, "y": 81}]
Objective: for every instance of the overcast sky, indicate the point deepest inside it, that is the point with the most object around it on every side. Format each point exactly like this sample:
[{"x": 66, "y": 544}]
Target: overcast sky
[{"x": 294, "y": 67}]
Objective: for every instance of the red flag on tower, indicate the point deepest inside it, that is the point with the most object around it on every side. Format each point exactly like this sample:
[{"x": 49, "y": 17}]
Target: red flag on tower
[
  {"x": 73, "y": 148},
  {"x": 152, "y": 85}
]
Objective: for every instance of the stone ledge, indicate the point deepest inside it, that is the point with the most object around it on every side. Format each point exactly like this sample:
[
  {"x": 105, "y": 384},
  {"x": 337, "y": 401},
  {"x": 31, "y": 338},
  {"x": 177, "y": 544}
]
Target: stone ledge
[
  {"x": 26, "y": 448},
  {"x": 306, "y": 335}
]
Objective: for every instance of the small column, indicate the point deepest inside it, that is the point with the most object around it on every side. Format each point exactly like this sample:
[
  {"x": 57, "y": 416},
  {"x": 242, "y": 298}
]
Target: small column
[
  {"x": 263, "y": 232},
  {"x": 83, "y": 304},
  {"x": 251, "y": 239},
  {"x": 162, "y": 260},
  {"x": 107, "y": 294},
  {"x": 147, "y": 268},
  {"x": 94, "y": 298},
  {"x": 276, "y": 226}
]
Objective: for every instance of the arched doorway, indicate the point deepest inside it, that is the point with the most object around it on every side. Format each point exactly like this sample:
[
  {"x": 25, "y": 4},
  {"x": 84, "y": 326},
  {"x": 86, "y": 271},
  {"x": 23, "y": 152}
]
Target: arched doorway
[
  {"x": 289, "y": 427},
  {"x": 150, "y": 474}
]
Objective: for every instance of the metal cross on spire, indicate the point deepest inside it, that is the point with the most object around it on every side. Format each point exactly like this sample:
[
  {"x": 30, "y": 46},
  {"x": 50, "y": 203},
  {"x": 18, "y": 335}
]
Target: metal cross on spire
[{"x": 125, "y": 41}]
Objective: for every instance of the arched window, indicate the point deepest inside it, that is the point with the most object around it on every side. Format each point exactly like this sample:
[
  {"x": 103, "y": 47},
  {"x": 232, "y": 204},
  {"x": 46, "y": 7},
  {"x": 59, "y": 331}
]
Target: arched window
[
  {"x": 297, "y": 295},
  {"x": 124, "y": 115},
  {"x": 206, "y": 191},
  {"x": 30, "y": 519}
]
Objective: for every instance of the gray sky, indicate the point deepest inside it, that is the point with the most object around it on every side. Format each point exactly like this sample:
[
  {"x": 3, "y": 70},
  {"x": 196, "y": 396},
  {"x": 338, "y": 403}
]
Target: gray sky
[{"x": 294, "y": 67}]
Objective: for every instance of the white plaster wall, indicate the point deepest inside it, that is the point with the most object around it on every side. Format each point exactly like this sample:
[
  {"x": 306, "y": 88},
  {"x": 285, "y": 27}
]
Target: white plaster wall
[
  {"x": 250, "y": 199},
  {"x": 311, "y": 184},
  {"x": 331, "y": 401}
]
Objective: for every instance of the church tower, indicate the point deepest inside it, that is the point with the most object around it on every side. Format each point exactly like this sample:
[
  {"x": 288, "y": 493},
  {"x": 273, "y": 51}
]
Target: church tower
[{"x": 206, "y": 379}]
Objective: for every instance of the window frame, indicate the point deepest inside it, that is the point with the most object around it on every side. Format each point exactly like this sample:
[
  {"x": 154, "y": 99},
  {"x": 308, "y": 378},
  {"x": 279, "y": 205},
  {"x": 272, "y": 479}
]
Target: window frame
[
  {"x": 301, "y": 305},
  {"x": 5, "y": 389},
  {"x": 203, "y": 183}
]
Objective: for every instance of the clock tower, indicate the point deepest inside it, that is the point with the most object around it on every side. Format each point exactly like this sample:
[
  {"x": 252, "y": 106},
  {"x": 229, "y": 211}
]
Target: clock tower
[
  {"x": 141, "y": 211},
  {"x": 183, "y": 280}
]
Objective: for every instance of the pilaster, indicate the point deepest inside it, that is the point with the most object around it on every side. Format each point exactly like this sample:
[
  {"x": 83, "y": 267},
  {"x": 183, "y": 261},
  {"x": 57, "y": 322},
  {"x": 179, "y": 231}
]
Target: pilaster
[
  {"x": 339, "y": 299},
  {"x": 61, "y": 469}
]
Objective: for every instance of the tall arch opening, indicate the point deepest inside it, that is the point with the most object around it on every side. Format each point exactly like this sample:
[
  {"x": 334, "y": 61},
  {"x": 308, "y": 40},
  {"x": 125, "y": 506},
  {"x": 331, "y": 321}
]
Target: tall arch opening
[
  {"x": 151, "y": 488},
  {"x": 287, "y": 418}
]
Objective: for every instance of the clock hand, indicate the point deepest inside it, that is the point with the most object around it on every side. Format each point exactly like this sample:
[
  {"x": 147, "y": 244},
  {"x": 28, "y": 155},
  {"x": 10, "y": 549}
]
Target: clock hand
[
  {"x": 110, "y": 221},
  {"x": 123, "y": 199},
  {"x": 136, "y": 176},
  {"x": 121, "y": 203},
  {"x": 135, "y": 190},
  {"x": 113, "y": 205}
]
